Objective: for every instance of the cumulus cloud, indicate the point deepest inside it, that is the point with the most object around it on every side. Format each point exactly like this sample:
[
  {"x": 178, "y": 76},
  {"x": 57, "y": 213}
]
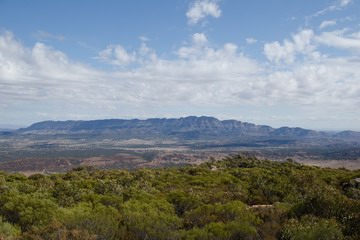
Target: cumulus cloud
[
  {"x": 305, "y": 43},
  {"x": 40, "y": 73},
  {"x": 328, "y": 23},
  {"x": 315, "y": 79},
  {"x": 116, "y": 55},
  {"x": 146, "y": 54},
  {"x": 251, "y": 40},
  {"x": 199, "y": 38},
  {"x": 19, "y": 62},
  {"x": 200, "y": 9},
  {"x": 317, "y": 83},
  {"x": 300, "y": 43},
  {"x": 199, "y": 44}
]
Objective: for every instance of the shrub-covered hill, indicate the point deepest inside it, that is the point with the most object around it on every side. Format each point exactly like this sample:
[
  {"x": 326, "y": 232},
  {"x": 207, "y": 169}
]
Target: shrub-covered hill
[{"x": 236, "y": 198}]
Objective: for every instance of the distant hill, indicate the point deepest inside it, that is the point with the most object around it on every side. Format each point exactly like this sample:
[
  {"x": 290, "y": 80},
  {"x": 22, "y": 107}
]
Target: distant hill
[
  {"x": 188, "y": 128},
  {"x": 348, "y": 134}
]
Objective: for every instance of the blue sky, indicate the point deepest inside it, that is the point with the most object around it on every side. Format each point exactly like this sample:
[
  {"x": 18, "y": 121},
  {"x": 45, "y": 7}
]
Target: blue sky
[{"x": 275, "y": 62}]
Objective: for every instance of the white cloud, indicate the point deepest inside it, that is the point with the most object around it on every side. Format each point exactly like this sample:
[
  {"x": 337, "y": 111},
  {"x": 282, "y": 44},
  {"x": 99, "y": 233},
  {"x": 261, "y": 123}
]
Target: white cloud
[
  {"x": 199, "y": 38},
  {"x": 43, "y": 79},
  {"x": 116, "y": 55},
  {"x": 300, "y": 43},
  {"x": 200, "y": 9},
  {"x": 43, "y": 36},
  {"x": 40, "y": 72},
  {"x": 315, "y": 80},
  {"x": 146, "y": 54},
  {"x": 344, "y": 3},
  {"x": 198, "y": 45},
  {"x": 144, "y": 39},
  {"x": 317, "y": 83},
  {"x": 305, "y": 44},
  {"x": 326, "y": 24},
  {"x": 338, "y": 40},
  {"x": 251, "y": 40},
  {"x": 335, "y": 6},
  {"x": 43, "y": 73},
  {"x": 355, "y": 35},
  {"x": 18, "y": 61}
]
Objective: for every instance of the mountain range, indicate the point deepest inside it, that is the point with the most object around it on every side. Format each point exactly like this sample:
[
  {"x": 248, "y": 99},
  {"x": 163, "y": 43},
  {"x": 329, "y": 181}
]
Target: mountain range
[{"x": 191, "y": 127}]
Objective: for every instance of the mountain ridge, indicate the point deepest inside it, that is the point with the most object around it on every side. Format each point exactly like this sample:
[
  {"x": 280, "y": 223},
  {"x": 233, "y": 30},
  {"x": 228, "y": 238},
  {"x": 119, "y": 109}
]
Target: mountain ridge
[{"x": 183, "y": 127}]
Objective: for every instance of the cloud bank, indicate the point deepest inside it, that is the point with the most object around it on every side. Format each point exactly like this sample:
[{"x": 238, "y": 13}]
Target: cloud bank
[{"x": 198, "y": 75}]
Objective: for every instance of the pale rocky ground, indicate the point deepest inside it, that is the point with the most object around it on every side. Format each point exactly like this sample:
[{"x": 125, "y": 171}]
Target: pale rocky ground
[{"x": 348, "y": 164}]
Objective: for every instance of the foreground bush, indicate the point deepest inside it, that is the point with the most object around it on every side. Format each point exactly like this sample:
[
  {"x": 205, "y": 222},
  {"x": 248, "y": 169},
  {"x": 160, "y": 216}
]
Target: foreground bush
[{"x": 236, "y": 198}]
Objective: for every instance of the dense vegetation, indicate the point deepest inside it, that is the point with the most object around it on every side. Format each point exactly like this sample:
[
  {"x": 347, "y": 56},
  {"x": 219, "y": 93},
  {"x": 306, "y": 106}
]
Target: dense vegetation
[{"x": 236, "y": 198}]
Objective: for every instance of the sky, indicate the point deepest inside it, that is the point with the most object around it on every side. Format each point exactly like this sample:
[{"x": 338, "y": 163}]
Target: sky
[{"x": 272, "y": 62}]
